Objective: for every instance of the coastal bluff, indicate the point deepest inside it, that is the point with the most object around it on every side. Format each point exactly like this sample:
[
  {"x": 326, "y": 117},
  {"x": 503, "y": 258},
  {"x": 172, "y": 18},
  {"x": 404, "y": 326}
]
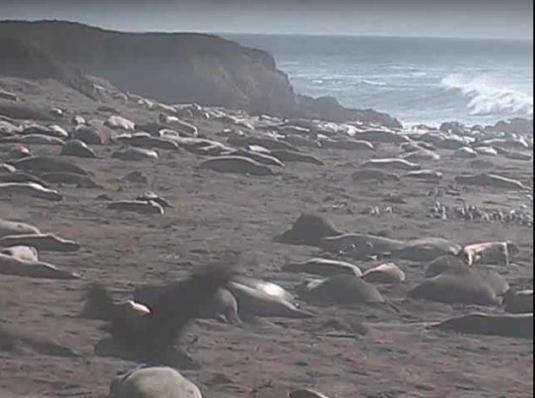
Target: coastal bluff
[{"x": 172, "y": 67}]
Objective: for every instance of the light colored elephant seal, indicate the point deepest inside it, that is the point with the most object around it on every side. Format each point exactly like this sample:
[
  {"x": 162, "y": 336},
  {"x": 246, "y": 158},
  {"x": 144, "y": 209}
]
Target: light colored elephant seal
[
  {"x": 391, "y": 164},
  {"x": 489, "y": 253},
  {"x": 388, "y": 273},
  {"x": 116, "y": 122},
  {"x": 42, "y": 242},
  {"x": 78, "y": 180},
  {"x": 10, "y": 265},
  {"x": 323, "y": 267},
  {"x": 491, "y": 180},
  {"x": 506, "y": 325},
  {"x": 16, "y": 228},
  {"x": 341, "y": 289},
  {"x": 236, "y": 164},
  {"x": 153, "y": 382},
  {"x": 261, "y": 303},
  {"x": 137, "y": 206},
  {"x": 135, "y": 154},
  {"x": 23, "y": 253},
  {"x": 31, "y": 189}
]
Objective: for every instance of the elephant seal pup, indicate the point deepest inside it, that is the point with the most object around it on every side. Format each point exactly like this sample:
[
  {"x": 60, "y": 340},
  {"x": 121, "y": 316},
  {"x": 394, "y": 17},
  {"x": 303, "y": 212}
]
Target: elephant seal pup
[
  {"x": 421, "y": 154},
  {"x": 46, "y": 164},
  {"x": 153, "y": 382},
  {"x": 388, "y": 273},
  {"x": 79, "y": 180},
  {"x": 426, "y": 175},
  {"x": 236, "y": 164},
  {"x": 518, "y": 301},
  {"x": 10, "y": 265},
  {"x": 506, "y": 325},
  {"x": 137, "y": 206},
  {"x": 489, "y": 253},
  {"x": 42, "y": 242},
  {"x": 491, "y": 180},
  {"x": 379, "y": 175},
  {"x": 426, "y": 249},
  {"x": 308, "y": 229},
  {"x": 23, "y": 253},
  {"x": 341, "y": 289},
  {"x": 31, "y": 189},
  {"x": 463, "y": 286},
  {"x": 16, "y": 228},
  {"x": 391, "y": 164},
  {"x": 135, "y": 154},
  {"x": 307, "y": 393},
  {"x": 323, "y": 267},
  {"x": 263, "y": 303},
  {"x": 77, "y": 148}
]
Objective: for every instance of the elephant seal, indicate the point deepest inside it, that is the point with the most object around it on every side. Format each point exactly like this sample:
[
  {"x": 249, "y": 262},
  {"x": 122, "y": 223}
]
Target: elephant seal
[
  {"x": 462, "y": 286},
  {"x": 6, "y": 168},
  {"x": 465, "y": 152},
  {"x": 23, "y": 253},
  {"x": 506, "y": 325},
  {"x": 307, "y": 393},
  {"x": 264, "y": 303},
  {"x": 87, "y": 134},
  {"x": 489, "y": 253},
  {"x": 37, "y": 139},
  {"x": 116, "y": 122},
  {"x": 323, "y": 267},
  {"x": 427, "y": 175},
  {"x": 42, "y": 242},
  {"x": 518, "y": 301},
  {"x": 236, "y": 164},
  {"x": 426, "y": 249},
  {"x": 10, "y": 265},
  {"x": 137, "y": 206},
  {"x": 31, "y": 189},
  {"x": 448, "y": 262},
  {"x": 367, "y": 174},
  {"x": 16, "y": 228},
  {"x": 22, "y": 177},
  {"x": 382, "y": 136},
  {"x": 348, "y": 144},
  {"x": 268, "y": 143},
  {"x": 421, "y": 154},
  {"x": 391, "y": 164},
  {"x": 264, "y": 158},
  {"x": 308, "y": 229},
  {"x": 145, "y": 140},
  {"x": 341, "y": 289},
  {"x": 153, "y": 382},
  {"x": 79, "y": 180},
  {"x": 77, "y": 148},
  {"x": 388, "y": 273},
  {"x": 135, "y": 154},
  {"x": 46, "y": 164},
  {"x": 490, "y": 180}
]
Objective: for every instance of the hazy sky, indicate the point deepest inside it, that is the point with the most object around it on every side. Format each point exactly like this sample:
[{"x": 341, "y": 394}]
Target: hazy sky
[{"x": 447, "y": 18}]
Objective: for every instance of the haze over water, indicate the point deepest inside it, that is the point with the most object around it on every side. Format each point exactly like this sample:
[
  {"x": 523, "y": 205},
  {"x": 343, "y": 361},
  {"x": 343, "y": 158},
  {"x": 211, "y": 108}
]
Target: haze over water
[{"x": 418, "y": 80}]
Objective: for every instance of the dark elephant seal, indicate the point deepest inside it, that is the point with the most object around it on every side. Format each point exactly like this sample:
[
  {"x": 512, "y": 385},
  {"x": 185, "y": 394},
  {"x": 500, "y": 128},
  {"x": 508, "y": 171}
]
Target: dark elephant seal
[
  {"x": 388, "y": 273},
  {"x": 42, "y": 242},
  {"x": 37, "y": 139},
  {"x": 518, "y": 301},
  {"x": 145, "y": 140},
  {"x": 236, "y": 164},
  {"x": 31, "y": 189},
  {"x": 341, "y": 289},
  {"x": 426, "y": 249},
  {"x": 323, "y": 267},
  {"x": 10, "y": 265},
  {"x": 506, "y": 325},
  {"x": 348, "y": 144},
  {"x": 16, "y": 228},
  {"x": 445, "y": 263},
  {"x": 79, "y": 180},
  {"x": 77, "y": 148},
  {"x": 87, "y": 134},
  {"x": 382, "y": 136},
  {"x": 307, "y": 393},
  {"x": 19, "y": 176},
  {"x": 462, "y": 286},
  {"x": 153, "y": 382},
  {"x": 46, "y": 164},
  {"x": 308, "y": 229}
]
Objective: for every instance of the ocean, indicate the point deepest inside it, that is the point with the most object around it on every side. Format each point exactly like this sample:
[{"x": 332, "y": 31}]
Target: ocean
[{"x": 417, "y": 80}]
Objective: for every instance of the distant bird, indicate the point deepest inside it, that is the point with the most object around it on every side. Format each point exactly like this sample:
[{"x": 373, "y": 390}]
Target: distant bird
[{"x": 150, "y": 332}]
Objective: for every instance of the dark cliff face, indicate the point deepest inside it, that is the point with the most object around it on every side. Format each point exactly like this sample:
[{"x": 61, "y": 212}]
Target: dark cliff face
[{"x": 173, "y": 67}]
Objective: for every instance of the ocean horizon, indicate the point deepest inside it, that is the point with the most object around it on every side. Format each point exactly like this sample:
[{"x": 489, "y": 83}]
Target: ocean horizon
[{"x": 415, "y": 79}]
